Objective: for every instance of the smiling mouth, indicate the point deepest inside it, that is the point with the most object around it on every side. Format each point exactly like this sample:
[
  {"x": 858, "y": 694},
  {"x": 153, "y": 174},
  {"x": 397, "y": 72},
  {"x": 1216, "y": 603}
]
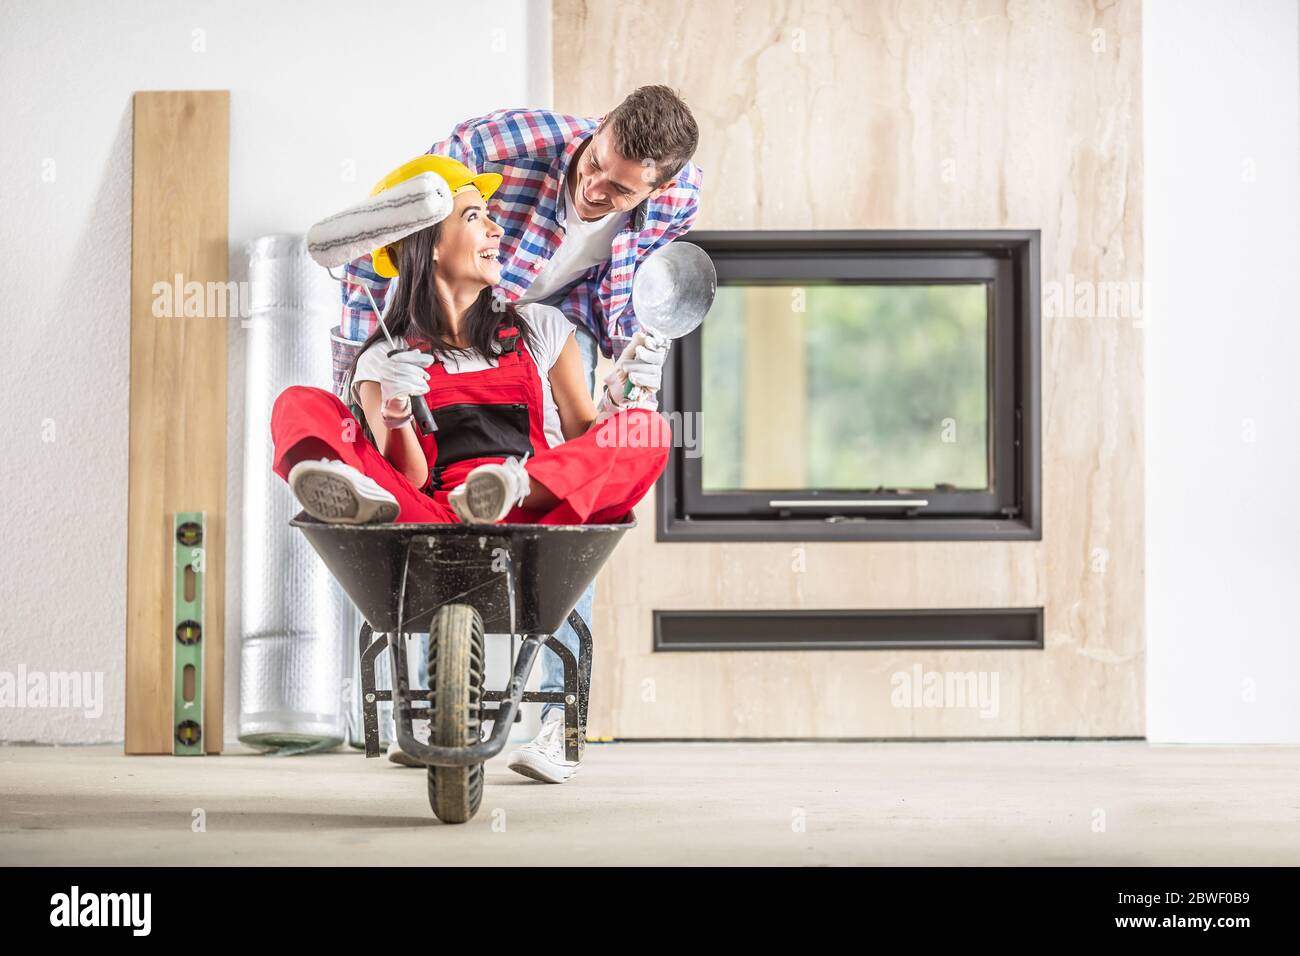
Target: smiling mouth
[{"x": 489, "y": 255}]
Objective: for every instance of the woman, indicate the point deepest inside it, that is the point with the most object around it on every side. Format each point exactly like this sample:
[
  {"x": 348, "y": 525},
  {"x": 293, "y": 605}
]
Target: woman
[{"x": 516, "y": 436}]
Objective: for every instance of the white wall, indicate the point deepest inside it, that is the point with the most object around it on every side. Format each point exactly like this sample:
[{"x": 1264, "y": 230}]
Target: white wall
[
  {"x": 1222, "y": 125},
  {"x": 316, "y": 88}
]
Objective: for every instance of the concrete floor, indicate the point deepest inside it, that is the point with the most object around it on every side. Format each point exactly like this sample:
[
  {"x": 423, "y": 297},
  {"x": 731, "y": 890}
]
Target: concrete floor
[{"x": 641, "y": 803}]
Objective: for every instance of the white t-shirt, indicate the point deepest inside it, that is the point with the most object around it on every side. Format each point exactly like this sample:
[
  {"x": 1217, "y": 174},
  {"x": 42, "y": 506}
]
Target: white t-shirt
[
  {"x": 550, "y": 331},
  {"x": 585, "y": 244}
]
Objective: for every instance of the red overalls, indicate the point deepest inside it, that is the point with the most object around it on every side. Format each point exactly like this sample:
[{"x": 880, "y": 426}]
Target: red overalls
[{"x": 483, "y": 416}]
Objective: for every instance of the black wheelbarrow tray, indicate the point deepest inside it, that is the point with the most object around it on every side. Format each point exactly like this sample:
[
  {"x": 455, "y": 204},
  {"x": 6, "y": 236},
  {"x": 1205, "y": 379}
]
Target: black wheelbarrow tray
[{"x": 458, "y": 583}]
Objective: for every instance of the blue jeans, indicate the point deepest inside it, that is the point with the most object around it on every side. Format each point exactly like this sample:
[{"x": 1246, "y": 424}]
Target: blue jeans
[{"x": 552, "y": 666}]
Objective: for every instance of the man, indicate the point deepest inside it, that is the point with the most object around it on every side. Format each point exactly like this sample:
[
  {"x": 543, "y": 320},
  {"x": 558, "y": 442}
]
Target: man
[{"x": 582, "y": 202}]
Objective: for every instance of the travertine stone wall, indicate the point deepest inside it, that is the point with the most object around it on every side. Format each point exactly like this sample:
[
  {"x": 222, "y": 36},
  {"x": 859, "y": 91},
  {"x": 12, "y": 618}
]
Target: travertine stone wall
[{"x": 902, "y": 115}]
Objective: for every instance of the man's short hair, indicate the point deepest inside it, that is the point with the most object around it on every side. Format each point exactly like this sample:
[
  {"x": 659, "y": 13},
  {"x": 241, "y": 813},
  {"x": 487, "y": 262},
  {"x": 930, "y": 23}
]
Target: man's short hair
[{"x": 653, "y": 126}]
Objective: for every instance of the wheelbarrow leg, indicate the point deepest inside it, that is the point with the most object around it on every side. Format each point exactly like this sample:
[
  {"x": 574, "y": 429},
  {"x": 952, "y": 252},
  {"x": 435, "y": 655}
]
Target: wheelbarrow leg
[
  {"x": 402, "y": 717},
  {"x": 584, "y": 665},
  {"x": 401, "y": 695},
  {"x": 371, "y": 648},
  {"x": 577, "y": 684}
]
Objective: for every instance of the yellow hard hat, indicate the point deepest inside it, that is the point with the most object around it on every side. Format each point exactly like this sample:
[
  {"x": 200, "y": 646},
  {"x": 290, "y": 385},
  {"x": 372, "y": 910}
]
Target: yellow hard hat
[{"x": 458, "y": 177}]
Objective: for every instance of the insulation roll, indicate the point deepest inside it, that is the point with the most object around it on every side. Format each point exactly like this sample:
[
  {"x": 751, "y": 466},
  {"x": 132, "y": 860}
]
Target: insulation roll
[{"x": 297, "y": 631}]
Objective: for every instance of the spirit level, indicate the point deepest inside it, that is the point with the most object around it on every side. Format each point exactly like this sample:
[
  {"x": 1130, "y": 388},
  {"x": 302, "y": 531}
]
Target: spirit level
[{"x": 187, "y": 643}]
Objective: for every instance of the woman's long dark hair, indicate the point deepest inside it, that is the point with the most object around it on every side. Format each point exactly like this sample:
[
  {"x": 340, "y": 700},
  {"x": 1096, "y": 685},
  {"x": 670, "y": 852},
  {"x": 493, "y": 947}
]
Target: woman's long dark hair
[{"x": 417, "y": 315}]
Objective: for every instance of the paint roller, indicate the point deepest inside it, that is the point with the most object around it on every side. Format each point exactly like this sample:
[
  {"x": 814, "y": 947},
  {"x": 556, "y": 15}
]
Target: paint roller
[{"x": 363, "y": 229}]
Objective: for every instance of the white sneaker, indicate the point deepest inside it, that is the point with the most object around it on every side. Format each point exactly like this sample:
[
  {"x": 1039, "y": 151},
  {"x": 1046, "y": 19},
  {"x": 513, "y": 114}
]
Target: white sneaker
[
  {"x": 420, "y": 728},
  {"x": 543, "y": 757},
  {"x": 490, "y": 491},
  {"x": 337, "y": 493},
  {"x": 398, "y": 756}
]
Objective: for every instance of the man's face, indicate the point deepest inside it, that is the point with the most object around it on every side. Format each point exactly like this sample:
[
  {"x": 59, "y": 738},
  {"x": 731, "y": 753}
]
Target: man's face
[{"x": 605, "y": 181}]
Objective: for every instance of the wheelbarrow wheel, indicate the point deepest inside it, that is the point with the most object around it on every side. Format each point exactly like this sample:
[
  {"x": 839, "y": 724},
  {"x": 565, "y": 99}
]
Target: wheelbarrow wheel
[{"x": 456, "y": 664}]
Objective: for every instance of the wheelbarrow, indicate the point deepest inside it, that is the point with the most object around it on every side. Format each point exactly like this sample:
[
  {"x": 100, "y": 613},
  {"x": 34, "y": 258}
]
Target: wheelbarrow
[{"x": 459, "y": 583}]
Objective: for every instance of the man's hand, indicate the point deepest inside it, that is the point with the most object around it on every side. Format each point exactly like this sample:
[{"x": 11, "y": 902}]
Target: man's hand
[{"x": 642, "y": 365}]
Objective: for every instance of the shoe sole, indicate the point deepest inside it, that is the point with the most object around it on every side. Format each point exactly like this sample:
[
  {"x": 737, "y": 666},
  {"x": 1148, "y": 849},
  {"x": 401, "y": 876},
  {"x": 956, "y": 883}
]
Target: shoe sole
[
  {"x": 537, "y": 768},
  {"x": 483, "y": 500},
  {"x": 403, "y": 759},
  {"x": 332, "y": 498}
]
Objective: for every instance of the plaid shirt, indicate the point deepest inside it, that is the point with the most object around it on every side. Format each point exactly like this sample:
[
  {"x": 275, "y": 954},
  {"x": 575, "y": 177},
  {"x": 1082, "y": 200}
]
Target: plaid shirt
[{"x": 532, "y": 149}]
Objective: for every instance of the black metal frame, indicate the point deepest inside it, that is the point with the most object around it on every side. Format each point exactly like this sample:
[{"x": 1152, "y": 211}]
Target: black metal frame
[
  {"x": 577, "y": 683},
  {"x": 1007, "y": 261}
]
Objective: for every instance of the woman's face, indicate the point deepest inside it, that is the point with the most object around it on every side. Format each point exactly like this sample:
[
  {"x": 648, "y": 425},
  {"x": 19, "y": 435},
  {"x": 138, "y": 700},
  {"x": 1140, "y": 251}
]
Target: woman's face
[{"x": 470, "y": 243}]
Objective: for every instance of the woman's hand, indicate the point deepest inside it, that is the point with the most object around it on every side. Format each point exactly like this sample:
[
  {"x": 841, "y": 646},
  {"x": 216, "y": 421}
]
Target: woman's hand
[
  {"x": 401, "y": 376},
  {"x": 386, "y": 405}
]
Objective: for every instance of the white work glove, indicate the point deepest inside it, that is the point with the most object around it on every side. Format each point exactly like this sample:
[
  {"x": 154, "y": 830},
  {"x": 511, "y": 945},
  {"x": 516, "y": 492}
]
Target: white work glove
[
  {"x": 401, "y": 376},
  {"x": 642, "y": 364}
]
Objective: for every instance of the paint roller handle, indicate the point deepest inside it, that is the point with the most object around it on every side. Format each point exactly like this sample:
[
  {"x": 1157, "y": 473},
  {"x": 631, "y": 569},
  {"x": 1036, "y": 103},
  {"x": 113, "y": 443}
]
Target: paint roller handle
[
  {"x": 419, "y": 407},
  {"x": 423, "y": 417}
]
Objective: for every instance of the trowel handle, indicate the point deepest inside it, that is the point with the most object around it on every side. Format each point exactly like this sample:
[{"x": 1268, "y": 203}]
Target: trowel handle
[{"x": 636, "y": 393}]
